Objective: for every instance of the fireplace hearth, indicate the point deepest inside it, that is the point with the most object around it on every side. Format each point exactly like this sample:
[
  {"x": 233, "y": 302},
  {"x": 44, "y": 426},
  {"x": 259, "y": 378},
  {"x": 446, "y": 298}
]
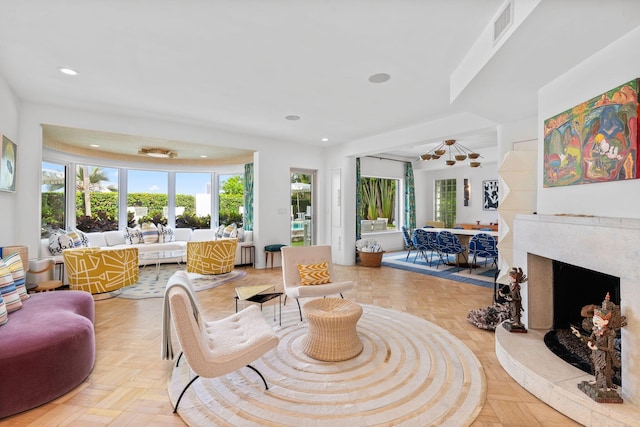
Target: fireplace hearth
[{"x": 607, "y": 245}]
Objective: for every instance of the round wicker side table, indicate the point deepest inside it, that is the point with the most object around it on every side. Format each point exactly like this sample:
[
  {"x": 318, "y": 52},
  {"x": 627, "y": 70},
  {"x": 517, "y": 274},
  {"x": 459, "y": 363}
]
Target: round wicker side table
[{"x": 332, "y": 335}]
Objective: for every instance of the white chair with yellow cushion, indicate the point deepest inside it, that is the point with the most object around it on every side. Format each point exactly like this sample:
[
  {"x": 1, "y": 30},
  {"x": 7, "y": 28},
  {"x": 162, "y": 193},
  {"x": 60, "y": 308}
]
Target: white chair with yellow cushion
[{"x": 307, "y": 272}]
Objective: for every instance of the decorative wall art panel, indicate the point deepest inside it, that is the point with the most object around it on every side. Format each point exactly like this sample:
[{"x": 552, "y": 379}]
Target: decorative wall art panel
[
  {"x": 596, "y": 141},
  {"x": 8, "y": 165},
  {"x": 490, "y": 195}
]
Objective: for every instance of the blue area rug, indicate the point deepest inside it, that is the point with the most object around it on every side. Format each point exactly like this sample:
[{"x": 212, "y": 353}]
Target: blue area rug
[
  {"x": 149, "y": 287},
  {"x": 481, "y": 276}
]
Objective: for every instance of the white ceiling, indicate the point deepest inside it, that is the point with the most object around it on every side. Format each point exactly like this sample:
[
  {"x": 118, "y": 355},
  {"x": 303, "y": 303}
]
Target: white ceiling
[{"x": 242, "y": 66}]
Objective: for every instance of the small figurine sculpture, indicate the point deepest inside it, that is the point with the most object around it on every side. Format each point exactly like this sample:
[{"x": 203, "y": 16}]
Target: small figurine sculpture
[
  {"x": 606, "y": 320},
  {"x": 514, "y": 299}
]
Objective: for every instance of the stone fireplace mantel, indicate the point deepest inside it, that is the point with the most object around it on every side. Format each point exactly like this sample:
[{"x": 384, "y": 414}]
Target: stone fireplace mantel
[{"x": 608, "y": 245}]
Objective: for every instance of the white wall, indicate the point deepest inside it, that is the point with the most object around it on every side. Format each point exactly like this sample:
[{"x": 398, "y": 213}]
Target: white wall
[
  {"x": 9, "y": 127},
  {"x": 611, "y": 67}
]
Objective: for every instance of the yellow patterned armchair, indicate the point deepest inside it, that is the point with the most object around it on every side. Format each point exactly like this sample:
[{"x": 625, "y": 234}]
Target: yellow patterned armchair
[
  {"x": 98, "y": 270},
  {"x": 211, "y": 256}
]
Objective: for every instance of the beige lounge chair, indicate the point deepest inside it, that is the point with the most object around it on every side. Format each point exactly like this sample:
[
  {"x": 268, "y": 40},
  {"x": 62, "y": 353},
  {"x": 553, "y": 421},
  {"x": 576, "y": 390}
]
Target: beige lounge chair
[{"x": 212, "y": 348}]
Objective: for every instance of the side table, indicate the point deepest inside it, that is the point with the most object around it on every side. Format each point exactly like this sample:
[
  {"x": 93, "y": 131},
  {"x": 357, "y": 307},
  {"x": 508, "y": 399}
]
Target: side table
[
  {"x": 249, "y": 250},
  {"x": 256, "y": 294}
]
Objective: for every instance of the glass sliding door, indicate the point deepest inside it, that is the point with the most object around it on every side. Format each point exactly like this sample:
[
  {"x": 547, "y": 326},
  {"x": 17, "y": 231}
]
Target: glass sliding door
[{"x": 302, "y": 212}]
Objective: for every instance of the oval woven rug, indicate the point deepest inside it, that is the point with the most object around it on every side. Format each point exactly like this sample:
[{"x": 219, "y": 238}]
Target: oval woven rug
[{"x": 411, "y": 373}]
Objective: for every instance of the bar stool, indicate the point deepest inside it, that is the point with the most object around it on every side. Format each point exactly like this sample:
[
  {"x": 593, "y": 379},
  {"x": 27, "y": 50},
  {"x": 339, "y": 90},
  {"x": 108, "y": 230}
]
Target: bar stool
[{"x": 271, "y": 251}]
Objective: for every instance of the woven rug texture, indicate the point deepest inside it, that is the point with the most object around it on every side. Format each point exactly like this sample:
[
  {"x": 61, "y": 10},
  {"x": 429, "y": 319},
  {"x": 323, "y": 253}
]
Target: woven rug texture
[
  {"x": 149, "y": 287},
  {"x": 410, "y": 373},
  {"x": 481, "y": 276}
]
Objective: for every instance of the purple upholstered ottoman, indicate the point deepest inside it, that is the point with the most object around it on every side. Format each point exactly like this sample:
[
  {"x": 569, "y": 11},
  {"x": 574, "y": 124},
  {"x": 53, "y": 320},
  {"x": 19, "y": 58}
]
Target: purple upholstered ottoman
[{"x": 47, "y": 348}]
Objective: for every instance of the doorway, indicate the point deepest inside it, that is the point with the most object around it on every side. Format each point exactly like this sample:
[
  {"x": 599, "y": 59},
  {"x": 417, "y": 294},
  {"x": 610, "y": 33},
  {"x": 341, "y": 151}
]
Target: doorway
[{"x": 302, "y": 207}]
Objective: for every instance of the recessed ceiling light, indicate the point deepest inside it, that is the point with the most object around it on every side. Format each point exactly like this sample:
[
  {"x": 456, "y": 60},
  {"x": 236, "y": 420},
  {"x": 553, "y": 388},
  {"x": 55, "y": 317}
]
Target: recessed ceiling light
[
  {"x": 292, "y": 117},
  {"x": 325, "y": 139},
  {"x": 379, "y": 78},
  {"x": 94, "y": 145},
  {"x": 204, "y": 156},
  {"x": 68, "y": 71}
]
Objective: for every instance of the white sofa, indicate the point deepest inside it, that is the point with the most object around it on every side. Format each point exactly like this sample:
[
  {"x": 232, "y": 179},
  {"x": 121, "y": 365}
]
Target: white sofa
[{"x": 116, "y": 239}]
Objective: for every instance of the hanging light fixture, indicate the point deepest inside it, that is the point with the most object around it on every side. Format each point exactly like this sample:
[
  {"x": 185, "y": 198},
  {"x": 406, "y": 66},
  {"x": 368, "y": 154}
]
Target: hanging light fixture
[
  {"x": 461, "y": 153},
  {"x": 158, "y": 153}
]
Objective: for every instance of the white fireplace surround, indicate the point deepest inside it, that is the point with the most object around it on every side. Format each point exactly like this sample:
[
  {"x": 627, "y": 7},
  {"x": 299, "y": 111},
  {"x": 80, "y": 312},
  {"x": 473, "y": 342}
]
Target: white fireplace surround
[{"x": 608, "y": 245}]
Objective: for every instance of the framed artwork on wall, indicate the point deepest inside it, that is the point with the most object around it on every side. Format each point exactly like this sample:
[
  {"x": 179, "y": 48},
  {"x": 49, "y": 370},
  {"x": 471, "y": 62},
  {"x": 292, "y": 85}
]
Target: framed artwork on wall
[
  {"x": 595, "y": 141},
  {"x": 490, "y": 195},
  {"x": 8, "y": 165}
]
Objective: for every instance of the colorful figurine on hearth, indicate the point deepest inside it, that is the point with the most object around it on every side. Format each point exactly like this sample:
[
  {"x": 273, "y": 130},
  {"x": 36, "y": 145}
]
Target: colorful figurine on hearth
[
  {"x": 606, "y": 321},
  {"x": 514, "y": 298}
]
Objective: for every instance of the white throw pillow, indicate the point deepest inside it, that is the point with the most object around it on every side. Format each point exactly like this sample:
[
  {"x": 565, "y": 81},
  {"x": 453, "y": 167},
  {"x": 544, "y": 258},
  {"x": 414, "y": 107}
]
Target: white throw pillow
[
  {"x": 133, "y": 236},
  {"x": 165, "y": 234}
]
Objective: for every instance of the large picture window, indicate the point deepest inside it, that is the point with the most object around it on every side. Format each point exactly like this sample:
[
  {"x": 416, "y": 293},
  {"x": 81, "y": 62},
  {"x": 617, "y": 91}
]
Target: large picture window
[
  {"x": 380, "y": 202},
  {"x": 147, "y": 197},
  {"x": 96, "y": 198},
  {"x": 193, "y": 200},
  {"x": 100, "y": 205},
  {"x": 231, "y": 199}
]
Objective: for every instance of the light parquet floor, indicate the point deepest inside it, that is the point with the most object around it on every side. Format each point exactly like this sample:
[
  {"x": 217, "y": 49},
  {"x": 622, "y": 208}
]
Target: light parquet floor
[{"x": 128, "y": 384}]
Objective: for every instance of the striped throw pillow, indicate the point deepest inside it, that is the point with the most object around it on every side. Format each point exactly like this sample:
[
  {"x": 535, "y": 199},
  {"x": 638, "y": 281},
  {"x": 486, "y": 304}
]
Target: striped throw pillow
[
  {"x": 3, "y": 312},
  {"x": 149, "y": 232},
  {"x": 8, "y": 289},
  {"x": 314, "y": 274},
  {"x": 75, "y": 237},
  {"x": 15, "y": 266}
]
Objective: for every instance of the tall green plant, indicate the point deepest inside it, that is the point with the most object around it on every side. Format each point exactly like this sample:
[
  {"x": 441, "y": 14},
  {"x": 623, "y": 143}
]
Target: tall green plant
[
  {"x": 369, "y": 192},
  {"x": 387, "y": 196}
]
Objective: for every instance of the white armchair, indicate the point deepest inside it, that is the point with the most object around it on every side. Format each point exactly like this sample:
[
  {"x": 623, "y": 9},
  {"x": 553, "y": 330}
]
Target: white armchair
[
  {"x": 212, "y": 348},
  {"x": 292, "y": 257}
]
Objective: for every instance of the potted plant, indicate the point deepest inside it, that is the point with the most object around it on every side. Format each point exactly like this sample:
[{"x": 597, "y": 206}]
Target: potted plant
[{"x": 370, "y": 252}]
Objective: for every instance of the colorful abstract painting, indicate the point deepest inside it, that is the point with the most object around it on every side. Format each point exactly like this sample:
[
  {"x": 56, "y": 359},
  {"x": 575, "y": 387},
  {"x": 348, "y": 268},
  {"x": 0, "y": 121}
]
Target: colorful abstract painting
[{"x": 596, "y": 141}]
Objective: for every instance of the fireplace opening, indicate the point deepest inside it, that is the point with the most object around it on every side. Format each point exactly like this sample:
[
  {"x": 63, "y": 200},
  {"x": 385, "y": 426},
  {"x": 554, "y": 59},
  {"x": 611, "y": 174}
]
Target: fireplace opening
[{"x": 573, "y": 288}]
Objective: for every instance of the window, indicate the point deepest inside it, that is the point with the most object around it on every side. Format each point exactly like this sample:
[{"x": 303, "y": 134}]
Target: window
[
  {"x": 111, "y": 198},
  {"x": 96, "y": 198},
  {"x": 147, "y": 197},
  {"x": 445, "y": 201},
  {"x": 193, "y": 200},
  {"x": 380, "y": 203},
  {"x": 230, "y": 199},
  {"x": 52, "y": 194}
]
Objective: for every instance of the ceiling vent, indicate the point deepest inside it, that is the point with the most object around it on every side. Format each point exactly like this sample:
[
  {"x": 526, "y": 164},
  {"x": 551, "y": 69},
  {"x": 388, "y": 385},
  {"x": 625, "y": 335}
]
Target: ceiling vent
[{"x": 503, "y": 22}]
